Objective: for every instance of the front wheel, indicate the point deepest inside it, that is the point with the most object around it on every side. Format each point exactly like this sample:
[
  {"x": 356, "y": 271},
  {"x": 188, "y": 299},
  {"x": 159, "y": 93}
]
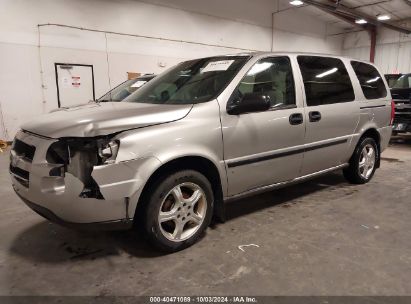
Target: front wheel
[
  {"x": 179, "y": 210},
  {"x": 363, "y": 162}
]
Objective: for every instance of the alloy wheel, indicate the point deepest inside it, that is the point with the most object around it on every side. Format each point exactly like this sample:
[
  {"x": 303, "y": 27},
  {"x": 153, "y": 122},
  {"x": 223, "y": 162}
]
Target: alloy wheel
[
  {"x": 367, "y": 161},
  {"x": 182, "y": 212}
]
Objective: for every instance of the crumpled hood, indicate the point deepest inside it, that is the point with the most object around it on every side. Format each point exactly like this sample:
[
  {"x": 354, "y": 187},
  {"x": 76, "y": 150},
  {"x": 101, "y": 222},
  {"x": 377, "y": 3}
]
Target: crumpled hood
[{"x": 103, "y": 119}]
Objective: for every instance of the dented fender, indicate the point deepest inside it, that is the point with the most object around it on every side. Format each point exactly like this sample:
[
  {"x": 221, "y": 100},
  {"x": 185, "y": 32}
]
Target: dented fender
[{"x": 124, "y": 179}]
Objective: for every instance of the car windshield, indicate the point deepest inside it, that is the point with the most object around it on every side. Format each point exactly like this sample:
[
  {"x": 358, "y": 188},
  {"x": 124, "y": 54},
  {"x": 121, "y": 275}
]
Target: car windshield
[
  {"x": 190, "y": 82},
  {"x": 124, "y": 90},
  {"x": 404, "y": 82}
]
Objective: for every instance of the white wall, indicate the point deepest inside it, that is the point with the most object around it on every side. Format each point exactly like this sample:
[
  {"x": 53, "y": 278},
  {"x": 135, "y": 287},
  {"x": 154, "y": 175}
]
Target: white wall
[
  {"x": 393, "y": 50},
  {"x": 26, "y": 92},
  {"x": 297, "y": 31}
]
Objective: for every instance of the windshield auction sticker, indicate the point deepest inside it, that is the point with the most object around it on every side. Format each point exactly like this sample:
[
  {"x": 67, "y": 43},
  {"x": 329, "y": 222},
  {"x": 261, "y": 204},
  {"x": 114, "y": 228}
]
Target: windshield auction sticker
[
  {"x": 138, "y": 84},
  {"x": 221, "y": 65}
]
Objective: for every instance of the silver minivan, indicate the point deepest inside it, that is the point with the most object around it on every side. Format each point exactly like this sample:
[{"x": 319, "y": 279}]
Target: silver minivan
[{"x": 205, "y": 132}]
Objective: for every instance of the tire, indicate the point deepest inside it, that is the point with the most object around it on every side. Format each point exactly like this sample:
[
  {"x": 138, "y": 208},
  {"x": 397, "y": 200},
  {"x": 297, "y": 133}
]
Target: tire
[
  {"x": 175, "y": 219},
  {"x": 363, "y": 162}
]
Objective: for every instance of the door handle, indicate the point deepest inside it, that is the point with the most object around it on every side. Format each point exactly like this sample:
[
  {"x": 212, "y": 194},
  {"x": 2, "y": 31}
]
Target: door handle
[
  {"x": 314, "y": 116},
  {"x": 296, "y": 119}
]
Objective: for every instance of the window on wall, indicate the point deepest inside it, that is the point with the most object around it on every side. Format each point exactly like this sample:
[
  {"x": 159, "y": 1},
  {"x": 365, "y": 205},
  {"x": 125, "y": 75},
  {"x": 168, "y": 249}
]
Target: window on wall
[
  {"x": 326, "y": 80},
  {"x": 271, "y": 77},
  {"x": 371, "y": 81}
]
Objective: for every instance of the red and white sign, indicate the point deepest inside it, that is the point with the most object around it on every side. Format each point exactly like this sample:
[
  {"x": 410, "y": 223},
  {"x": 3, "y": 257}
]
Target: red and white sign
[{"x": 75, "y": 81}]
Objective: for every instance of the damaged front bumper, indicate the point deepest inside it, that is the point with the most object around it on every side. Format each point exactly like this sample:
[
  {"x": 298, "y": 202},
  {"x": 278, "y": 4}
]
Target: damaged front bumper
[{"x": 81, "y": 193}]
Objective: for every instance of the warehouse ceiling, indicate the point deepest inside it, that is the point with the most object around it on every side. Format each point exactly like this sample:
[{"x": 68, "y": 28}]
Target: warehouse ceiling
[
  {"x": 259, "y": 11},
  {"x": 397, "y": 10}
]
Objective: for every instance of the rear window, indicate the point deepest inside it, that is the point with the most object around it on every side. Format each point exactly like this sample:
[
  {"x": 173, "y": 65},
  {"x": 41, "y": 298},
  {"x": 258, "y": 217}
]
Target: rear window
[
  {"x": 371, "y": 81},
  {"x": 326, "y": 80}
]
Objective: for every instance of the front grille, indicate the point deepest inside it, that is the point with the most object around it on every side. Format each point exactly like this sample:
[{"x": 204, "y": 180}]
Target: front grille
[
  {"x": 403, "y": 111},
  {"x": 404, "y": 101},
  {"x": 24, "y": 150},
  {"x": 22, "y": 176},
  {"x": 402, "y": 119}
]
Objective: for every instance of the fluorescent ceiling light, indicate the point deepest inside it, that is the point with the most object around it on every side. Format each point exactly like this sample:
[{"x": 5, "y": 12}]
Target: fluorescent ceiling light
[
  {"x": 259, "y": 67},
  {"x": 361, "y": 21},
  {"x": 296, "y": 2},
  {"x": 332, "y": 71},
  {"x": 383, "y": 17}
]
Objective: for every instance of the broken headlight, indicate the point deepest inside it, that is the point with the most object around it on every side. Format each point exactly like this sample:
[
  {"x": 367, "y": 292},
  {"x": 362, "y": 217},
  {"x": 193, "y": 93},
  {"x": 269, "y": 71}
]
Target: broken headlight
[{"x": 108, "y": 151}]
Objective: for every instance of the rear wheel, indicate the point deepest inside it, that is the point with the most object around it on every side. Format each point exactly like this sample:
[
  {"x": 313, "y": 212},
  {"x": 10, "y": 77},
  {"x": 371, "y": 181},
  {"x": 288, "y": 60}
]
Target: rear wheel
[
  {"x": 363, "y": 162},
  {"x": 179, "y": 210}
]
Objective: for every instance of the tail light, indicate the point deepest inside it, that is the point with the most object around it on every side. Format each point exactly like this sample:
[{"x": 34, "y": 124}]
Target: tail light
[{"x": 392, "y": 113}]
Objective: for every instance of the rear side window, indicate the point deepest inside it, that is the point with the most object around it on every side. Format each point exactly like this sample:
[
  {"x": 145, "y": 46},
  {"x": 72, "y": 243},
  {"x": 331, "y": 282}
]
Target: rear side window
[
  {"x": 326, "y": 80},
  {"x": 371, "y": 81}
]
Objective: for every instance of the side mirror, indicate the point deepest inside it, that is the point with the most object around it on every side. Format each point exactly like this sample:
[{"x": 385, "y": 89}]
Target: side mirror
[{"x": 250, "y": 102}]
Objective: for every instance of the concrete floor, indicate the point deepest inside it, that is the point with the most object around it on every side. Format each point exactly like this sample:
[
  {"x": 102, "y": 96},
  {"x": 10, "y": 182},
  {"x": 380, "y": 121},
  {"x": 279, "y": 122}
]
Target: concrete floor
[{"x": 324, "y": 237}]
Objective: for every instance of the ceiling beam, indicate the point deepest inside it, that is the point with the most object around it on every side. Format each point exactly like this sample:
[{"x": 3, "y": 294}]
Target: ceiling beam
[
  {"x": 340, "y": 9},
  {"x": 370, "y": 4},
  {"x": 343, "y": 18},
  {"x": 370, "y": 19}
]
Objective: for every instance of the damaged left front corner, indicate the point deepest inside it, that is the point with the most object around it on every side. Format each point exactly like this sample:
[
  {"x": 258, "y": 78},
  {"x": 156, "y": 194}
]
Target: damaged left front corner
[{"x": 76, "y": 157}]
